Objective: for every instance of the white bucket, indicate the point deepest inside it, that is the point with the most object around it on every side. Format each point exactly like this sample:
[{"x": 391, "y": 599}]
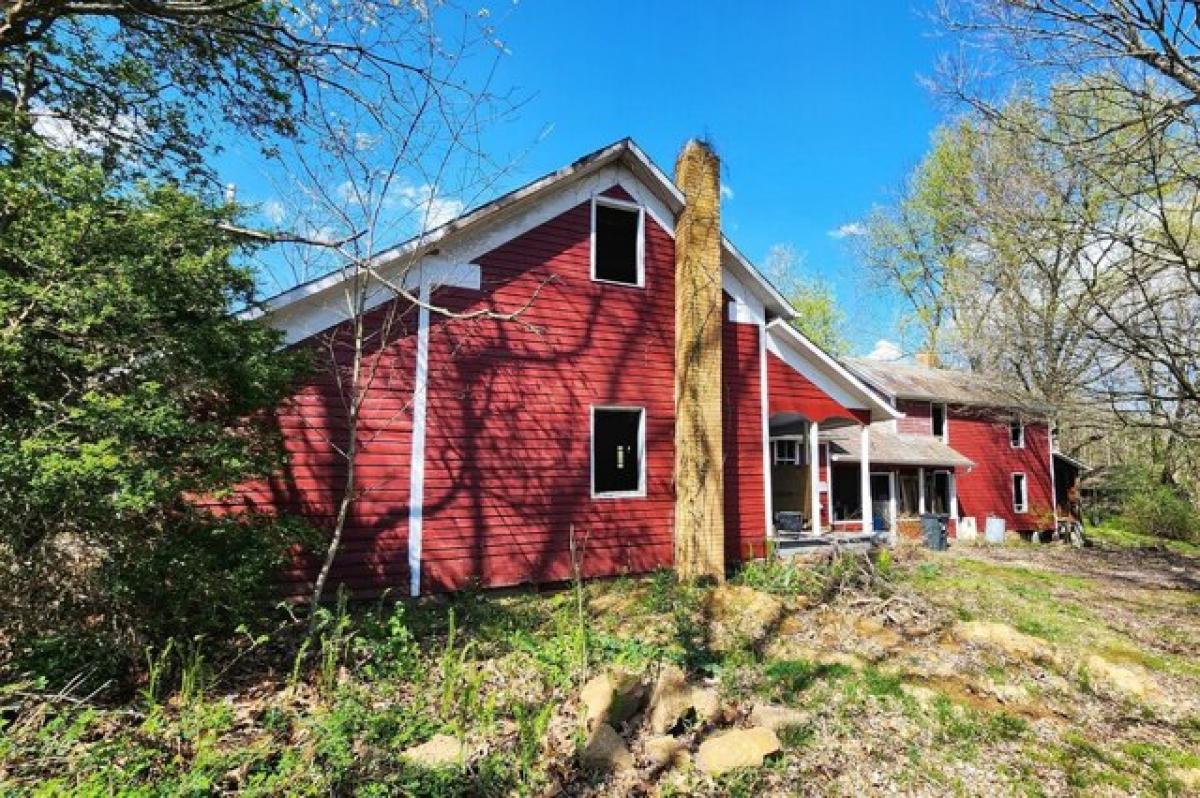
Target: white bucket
[{"x": 994, "y": 531}]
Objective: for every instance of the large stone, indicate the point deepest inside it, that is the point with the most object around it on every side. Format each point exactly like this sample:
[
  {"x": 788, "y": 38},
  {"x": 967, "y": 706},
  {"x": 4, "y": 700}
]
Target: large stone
[
  {"x": 740, "y": 615},
  {"x": 605, "y": 750},
  {"x": 613, "y": 698},
  {"x": 774, "y": 717},
  {"x": 739, "y": 748},
  {"x": 665, "y": 751},
  {"x": 673, "y": 699},
  {"x": 440, "y": 751},
  {"x": 1002, "y": 637}
]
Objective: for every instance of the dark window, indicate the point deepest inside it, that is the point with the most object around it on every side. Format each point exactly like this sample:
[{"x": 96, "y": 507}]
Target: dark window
[
  {"x": 1020, "y": 497},
  {"x": 788, "y": 452},
  {"x": 1016, "y": 434},
  {"x": 618, "y": 231},
  {"x": 939, "y": 421},
  {"x": 908, "y": 499},
  {"x": 937, "y": 492},
  {"x": 616, "y": 451}
]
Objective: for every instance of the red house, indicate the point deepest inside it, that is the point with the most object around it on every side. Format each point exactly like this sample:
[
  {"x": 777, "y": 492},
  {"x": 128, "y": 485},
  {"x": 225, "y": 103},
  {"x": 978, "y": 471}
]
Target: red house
[
  {"x": 487, "y": 444},
  {"x": 967, "y": 447},
  {"x": 585, "y": 364}
]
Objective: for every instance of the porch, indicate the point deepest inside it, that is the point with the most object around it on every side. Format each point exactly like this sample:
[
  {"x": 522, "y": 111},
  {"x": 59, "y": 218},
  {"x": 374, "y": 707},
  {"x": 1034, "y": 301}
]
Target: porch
[
  {"x": 911, "y": 476},
  {"x": 816, "y": 503}
]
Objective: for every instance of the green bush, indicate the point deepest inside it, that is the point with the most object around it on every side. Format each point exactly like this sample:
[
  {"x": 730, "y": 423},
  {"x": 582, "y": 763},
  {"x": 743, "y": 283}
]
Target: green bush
[{"x": 1161, "y": 511}]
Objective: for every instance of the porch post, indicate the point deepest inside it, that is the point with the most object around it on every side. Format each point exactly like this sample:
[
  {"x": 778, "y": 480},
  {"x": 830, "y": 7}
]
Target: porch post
[
  {"x": 814, "y": 471},
  {"x": 865, "y": 476},
  {"x": 920, "y": 491},
  {"x": 953, "y": 495}
]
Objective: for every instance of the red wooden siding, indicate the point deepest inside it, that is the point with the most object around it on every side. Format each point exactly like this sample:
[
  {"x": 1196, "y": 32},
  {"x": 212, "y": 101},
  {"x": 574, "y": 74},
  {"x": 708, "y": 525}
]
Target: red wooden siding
[
  {"x": 792, "y": 392},
  {"x": 508, "y": 468},
  {"x": 313, "y": 422},
  {"x": 745, "y": 509},
  {"x": 987, "y": 488},
  {"x": 918, "y": 418}
]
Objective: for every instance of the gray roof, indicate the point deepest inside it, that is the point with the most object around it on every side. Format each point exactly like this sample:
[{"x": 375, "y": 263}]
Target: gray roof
[
  {"x": 909, "y": 381},
  {"x": 893, "y": 448}
]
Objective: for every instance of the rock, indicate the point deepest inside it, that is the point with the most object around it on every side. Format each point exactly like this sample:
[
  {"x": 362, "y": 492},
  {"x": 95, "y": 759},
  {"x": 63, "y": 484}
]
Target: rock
[
  {"x": 440, "y": 751},
  {"x": 666, "y": 751},
  {"x": 1004, "y": 638},
  {"x": 1127, "y": 681},
  {"x": 672, "y": 699},
  {"x": 612, "y": 698},
  {"x": 775, "y": 717},
  {"x": 739, "y": 748},
  {"x": 605, "y": 750},
  {"x": 740, "y": 615}
]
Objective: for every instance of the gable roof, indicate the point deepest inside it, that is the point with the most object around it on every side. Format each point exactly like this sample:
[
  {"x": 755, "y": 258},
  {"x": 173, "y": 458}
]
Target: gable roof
[
  {"x": 924, "y": 384},
  {"x": 824, "y": 371},
  {"x": 624, "y": 153}
]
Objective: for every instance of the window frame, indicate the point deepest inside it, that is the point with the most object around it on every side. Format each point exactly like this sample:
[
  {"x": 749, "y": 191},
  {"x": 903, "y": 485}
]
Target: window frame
[
  {"x": 798, "y": 440},
  {"x": 1020, "y": 425},
  {"x": 945, "y": 436},
  {"x": 640, "y": 493},
  {"x": 1023, "y": 506},
  {"x": 625, "y": 205}
]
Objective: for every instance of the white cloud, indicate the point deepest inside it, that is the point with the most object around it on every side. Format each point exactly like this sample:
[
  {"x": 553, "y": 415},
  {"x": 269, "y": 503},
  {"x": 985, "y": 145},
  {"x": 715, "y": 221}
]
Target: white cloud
[
  {"x": 60, "y": 133},
  {"x": 726, "y": 191},
  {"x": 428, "y": 207},
  {"x": 420, "y": 206},
  {"x": 884, "y": 350},
  {"x": 849, "y": 230},
  {"x": 274, "y": 211}
]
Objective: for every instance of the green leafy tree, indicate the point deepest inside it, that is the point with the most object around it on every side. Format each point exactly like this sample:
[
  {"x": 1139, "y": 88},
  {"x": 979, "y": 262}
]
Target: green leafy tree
[
  {"x": 820, "y": 318},
  {"x": 126, "y": 391}
]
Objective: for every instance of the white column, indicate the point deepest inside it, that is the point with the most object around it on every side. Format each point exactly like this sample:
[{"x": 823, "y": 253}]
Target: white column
[
  {"x": 865, "y": 475},
  {"x": 953, "y": 496},
  {"x": 920, "y": 491},
  {"x": 814, "y": 470}
]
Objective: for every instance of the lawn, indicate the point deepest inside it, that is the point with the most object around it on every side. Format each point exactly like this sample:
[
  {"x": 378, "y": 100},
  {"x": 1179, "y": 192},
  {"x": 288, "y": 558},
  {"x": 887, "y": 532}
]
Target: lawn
[{"x": 1018, "y": 670}]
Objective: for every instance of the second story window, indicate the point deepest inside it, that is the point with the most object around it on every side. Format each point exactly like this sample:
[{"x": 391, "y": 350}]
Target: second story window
[
  {"x": 940, "y": 427},
  {"x": 1016, "y": 433},
  {"x": 617, "y": 235}
]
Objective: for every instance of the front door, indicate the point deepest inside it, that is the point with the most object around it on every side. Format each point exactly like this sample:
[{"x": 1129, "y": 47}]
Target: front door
[{"x": 883, "y": 500}]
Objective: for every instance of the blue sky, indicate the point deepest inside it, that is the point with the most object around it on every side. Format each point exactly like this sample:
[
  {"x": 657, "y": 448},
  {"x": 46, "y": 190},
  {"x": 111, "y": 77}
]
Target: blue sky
[{"x": 815, "y": 108}]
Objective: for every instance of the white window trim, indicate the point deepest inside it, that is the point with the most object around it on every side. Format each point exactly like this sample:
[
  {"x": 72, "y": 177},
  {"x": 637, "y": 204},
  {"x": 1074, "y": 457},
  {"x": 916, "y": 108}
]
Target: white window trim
[
  {"x": 945, "y": 436},
  {"x": 641, "y": 239},
  {"x": 640, "y": 493},
  {"x": 798, "y": 440},
  {"x": 1023, "y": 506},
  {"x": 1021, "y": 429}
]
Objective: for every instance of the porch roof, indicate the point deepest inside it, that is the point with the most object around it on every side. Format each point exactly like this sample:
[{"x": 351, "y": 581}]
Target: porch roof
[{"x": 893, "y": 448}]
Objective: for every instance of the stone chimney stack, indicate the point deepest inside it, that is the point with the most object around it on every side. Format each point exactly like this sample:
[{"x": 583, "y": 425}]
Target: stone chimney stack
[
  {"x": 699, "y": 454},
  {"x": 927, "y": 359}
]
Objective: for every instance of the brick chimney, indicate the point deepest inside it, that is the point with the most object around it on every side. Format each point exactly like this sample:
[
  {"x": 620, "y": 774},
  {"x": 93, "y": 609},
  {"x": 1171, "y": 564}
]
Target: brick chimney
[
  {"x": 699, "y": 488},
  {"x": 927, "y": 359}
]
